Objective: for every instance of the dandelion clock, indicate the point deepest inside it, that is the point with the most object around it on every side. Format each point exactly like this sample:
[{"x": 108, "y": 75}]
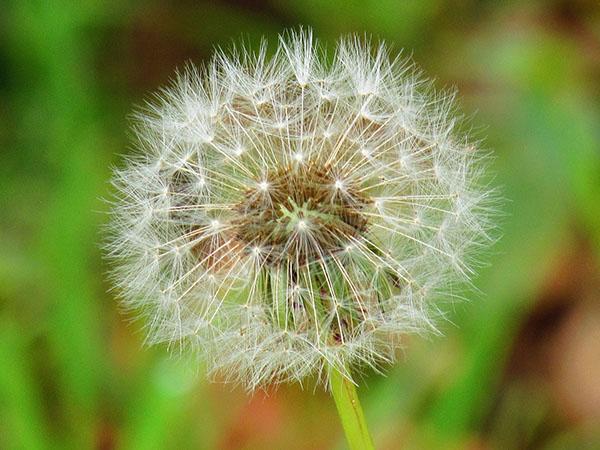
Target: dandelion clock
[{"x": 295, "y": 215}]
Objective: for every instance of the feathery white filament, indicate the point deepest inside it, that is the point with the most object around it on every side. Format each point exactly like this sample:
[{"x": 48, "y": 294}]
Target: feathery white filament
[{"x": 283, "y": 214}]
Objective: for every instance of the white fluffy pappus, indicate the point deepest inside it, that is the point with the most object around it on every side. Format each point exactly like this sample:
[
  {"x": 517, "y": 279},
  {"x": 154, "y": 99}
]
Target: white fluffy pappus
[{"x": 288, "y": 214}]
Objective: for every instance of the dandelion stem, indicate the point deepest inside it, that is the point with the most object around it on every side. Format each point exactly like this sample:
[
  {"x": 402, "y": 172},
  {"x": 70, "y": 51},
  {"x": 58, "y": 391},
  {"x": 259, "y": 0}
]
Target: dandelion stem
[{"x": 350, "y": 412}]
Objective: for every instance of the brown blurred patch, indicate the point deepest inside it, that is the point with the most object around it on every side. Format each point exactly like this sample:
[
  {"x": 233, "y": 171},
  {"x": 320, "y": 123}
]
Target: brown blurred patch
[
  {"x": 144, "y": 51},
  {"x": 261, "y": 416},
  {"x": 558, "y": 348},
  {"x": 574, "y": 362},
  {"x": 282, "y": 417}
]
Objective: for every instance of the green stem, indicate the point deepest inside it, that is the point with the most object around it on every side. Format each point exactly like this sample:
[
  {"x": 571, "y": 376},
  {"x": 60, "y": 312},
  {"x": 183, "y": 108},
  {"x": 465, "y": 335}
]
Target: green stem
[{"x": 350, "y": 412}]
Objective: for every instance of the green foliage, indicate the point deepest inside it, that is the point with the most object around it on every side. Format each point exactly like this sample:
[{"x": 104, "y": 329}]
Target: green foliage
[{"x": 74, "y": 374}]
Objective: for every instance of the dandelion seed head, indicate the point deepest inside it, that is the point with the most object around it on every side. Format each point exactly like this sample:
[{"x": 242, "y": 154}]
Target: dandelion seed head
[{"x": 291, "y": 213}]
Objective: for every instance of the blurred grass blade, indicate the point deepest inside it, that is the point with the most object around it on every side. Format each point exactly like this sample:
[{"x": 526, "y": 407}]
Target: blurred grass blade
[
  {"x": 161, "y": 407},
  {"x": 21, "y": 412},
  {"x": 48, "y": 36}
]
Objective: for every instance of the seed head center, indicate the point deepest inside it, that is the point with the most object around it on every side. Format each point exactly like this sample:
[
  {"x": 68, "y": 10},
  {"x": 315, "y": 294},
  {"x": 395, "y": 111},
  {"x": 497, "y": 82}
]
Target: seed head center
[{"x": 304, "y": 214}]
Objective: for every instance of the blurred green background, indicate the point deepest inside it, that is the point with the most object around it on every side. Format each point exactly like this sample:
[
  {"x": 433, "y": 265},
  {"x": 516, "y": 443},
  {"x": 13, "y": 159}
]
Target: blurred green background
[{"x": 519, "y": 367}]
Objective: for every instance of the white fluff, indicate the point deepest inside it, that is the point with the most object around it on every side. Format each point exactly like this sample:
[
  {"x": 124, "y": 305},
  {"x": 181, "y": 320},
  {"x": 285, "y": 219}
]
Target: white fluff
[{"x": 220, "y": 132}]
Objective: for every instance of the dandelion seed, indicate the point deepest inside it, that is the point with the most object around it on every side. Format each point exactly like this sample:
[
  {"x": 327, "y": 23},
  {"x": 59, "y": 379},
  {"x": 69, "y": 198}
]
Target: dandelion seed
[{"x": 346, "y": 216}]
